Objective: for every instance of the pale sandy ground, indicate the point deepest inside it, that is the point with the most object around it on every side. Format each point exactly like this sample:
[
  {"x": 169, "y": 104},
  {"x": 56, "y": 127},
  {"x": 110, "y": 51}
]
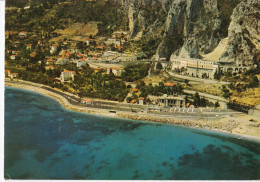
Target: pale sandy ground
[
  {"x": 218, "y": 51},
  {"x": 238, "y": 125}
]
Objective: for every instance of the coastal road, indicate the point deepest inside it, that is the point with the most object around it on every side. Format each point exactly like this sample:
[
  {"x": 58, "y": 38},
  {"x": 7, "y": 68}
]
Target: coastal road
[{"x": 135, "y": 108}]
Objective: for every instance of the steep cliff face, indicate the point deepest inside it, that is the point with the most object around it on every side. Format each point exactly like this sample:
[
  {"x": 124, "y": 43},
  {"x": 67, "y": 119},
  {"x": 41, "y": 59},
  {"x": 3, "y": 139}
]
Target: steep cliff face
[
  {"x": 243, "y": 47},
  {"x": 146, "y": 17},
  {"x": 192, "y": 27},
  {"x": 187, "y": 28}
]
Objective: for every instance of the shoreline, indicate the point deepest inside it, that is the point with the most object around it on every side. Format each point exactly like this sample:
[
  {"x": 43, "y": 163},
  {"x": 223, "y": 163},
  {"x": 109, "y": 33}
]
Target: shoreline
[{"x": 239, "y": 127}]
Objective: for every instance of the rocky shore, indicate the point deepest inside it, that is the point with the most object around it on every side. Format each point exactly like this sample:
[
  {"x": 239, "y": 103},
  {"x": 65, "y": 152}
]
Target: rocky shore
[{"x": 242, "y": 126}]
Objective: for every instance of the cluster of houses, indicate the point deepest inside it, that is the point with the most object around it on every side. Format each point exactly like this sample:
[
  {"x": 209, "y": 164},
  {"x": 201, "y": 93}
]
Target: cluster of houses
[{"x": 101, "y": 50}]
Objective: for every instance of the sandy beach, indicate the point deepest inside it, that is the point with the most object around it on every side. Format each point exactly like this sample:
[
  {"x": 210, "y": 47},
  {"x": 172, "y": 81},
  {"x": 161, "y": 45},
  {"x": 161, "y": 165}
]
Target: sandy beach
[{"x": 242, "y": 126}]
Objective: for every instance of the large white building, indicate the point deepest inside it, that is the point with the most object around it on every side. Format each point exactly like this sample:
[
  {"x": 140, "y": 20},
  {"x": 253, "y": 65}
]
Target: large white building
[
  {"x": 196, "y": 67},
  {"x": 67, "y": 75},
  {"x": 168, "y": 100}
]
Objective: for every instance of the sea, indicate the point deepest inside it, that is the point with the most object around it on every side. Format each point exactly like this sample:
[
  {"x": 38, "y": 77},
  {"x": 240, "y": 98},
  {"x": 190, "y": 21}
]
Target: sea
[{"x": 43, "y": 140}]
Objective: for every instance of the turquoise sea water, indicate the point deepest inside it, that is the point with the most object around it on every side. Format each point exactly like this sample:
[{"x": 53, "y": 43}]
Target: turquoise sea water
[{"x": 45, "y": 141}]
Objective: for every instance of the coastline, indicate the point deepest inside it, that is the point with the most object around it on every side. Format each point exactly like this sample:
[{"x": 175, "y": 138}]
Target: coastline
[{"x": 238, "y": 127}]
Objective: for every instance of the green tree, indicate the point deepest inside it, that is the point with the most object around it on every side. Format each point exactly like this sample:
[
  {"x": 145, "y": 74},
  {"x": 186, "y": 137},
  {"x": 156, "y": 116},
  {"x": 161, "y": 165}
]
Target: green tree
[
  {"x": 128, "y": 99},
  {"x": 254, "y": 82},
  {"x": 159, "y": 66},
  {"x": 196, "y": 99},
  {"x": 216, "y": 105}
]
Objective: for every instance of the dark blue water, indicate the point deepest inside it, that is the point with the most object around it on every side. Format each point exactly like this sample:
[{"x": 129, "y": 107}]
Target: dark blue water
[{"x": 45, "y": 141}]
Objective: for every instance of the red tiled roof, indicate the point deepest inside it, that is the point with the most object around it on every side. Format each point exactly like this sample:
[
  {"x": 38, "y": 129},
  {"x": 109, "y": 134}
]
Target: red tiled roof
[
  {"x": 135, "y": 89},
  {"x": 87, "y": 101},
  {"x": 33, "y": 54},
  {"x": 169, "y": 84},
  {"x": 100, "y": 46},
  {"x": 24, "y": 32},
  {"x": 67, "y": 71},
  {"x": 133, "y": 101},
  {"x": 98, "y": 68},
  {"x": 114, "y": 68}
]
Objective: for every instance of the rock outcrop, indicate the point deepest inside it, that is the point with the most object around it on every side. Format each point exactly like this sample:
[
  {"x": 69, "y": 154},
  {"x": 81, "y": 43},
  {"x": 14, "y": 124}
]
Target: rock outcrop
[
  {"x": 244, "y": 35},
  {"x": 146, "y": 18},
  {"x": 193, "y": 26}
]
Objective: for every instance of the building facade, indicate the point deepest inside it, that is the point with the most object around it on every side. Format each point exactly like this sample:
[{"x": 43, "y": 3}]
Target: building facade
[
  {"x": 67, "y": 75},
  {"x": 115, "y": 71},
  {"x": 168, "y": 100},
  {"x": 196, "y": 67}
]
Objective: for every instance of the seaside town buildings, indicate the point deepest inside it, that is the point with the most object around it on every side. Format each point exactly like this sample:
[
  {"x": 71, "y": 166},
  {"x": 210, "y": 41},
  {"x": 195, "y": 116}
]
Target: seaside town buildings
[
  {"x": 100, "y": 54},
  {"x": 67, "y": 75}
]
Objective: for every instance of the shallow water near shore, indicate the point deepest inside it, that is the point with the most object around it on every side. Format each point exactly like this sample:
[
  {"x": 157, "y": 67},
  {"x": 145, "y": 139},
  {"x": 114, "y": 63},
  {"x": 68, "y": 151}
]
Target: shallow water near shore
[{"x": 45, "y": 141}]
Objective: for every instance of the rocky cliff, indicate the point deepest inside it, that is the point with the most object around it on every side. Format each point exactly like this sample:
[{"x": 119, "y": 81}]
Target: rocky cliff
[
  {"x": 192, "y": 28},
  {"x": 146, "y": 17},
  {"x": 225, "y": 30},
  {"x": 243, "y": 47}
]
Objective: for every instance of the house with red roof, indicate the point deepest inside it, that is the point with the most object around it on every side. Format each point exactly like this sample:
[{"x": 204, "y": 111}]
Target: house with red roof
[
  {"x": 50, "y": 61},
  {"x": 16, "y": 52},
  {"x": 141, "y": 101},
  {"x": 7, "y": 73},
  {"x": 13, "y": 75},
  {"x": 29, "y": 47},
  {"x": 116, "y": 71},
  {"x": 89, "y": 102},
  {"x": 50, "y": 67},
  {"x": 13, "y": 57},
  {"x": 90, "y": 41},
  {"x": 67, "y": 75},
  {"x": 54, "y": 49},
  {"x": 23, "y": 34}
]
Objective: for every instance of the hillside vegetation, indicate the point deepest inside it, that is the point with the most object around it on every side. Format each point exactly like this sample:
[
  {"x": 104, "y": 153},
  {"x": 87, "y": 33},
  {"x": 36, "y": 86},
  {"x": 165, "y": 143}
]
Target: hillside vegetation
[{"x": 60, "y": 15}]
